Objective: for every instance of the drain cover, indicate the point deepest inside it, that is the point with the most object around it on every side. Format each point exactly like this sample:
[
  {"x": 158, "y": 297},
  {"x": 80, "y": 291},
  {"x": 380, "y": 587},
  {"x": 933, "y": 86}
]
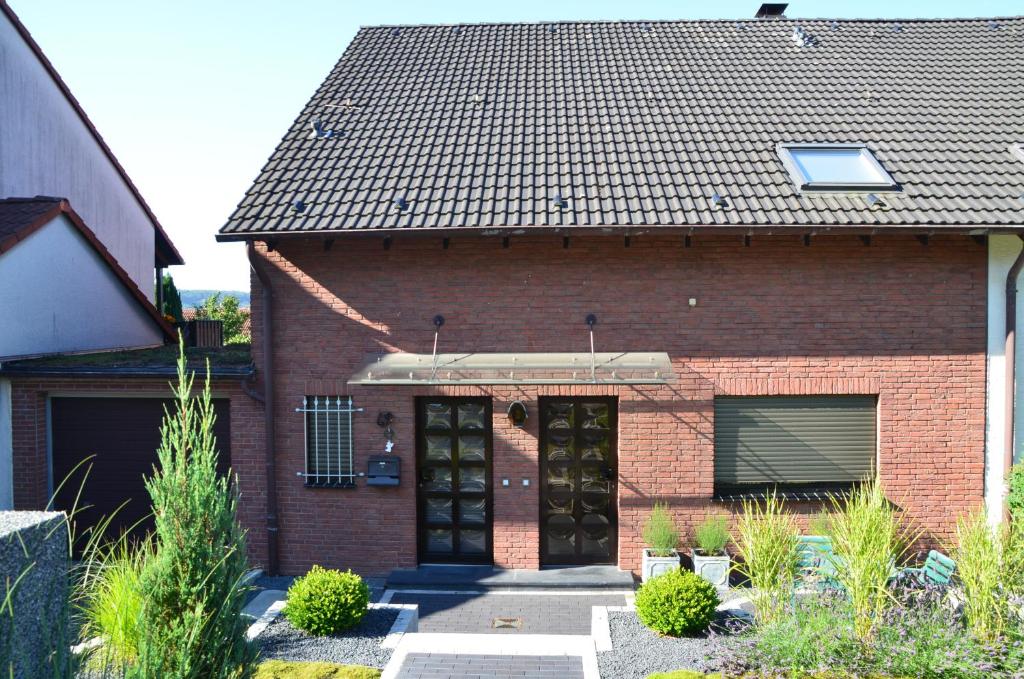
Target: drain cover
[{"x": 507, "y": 623}]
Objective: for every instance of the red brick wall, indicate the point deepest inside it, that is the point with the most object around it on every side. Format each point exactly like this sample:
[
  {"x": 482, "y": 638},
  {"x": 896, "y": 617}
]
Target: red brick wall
[
  {"x": 29, "y": 433},
  {"x": 897, "y": 319}
]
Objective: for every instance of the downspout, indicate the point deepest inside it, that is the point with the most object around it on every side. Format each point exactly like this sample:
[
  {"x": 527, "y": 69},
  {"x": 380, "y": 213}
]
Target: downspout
[
  {"x": 1009, "y": 353},
  {"x": 270, "y": 466}
]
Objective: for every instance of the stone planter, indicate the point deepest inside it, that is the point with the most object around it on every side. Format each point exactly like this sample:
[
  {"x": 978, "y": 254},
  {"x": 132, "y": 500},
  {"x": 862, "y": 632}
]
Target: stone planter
[
  {"x": 714, "y": 569},
  {"x": 653, "y": 566}
]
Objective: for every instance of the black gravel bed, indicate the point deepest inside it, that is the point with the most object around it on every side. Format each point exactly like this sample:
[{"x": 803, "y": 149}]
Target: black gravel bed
[
  {"x": 638, "y": 651},
  {"x": 358, "y": 646}
]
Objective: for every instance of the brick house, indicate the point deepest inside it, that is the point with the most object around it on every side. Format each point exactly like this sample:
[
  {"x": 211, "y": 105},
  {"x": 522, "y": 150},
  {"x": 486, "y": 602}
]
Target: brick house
[{"x": 786, "y": 243}]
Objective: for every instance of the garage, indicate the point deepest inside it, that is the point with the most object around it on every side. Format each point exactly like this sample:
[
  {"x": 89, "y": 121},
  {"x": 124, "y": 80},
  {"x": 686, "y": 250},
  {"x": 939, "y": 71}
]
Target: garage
[{"x": 122, "y": 435}]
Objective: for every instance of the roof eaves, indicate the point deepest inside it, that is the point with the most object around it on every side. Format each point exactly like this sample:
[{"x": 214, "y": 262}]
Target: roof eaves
[{"x": 12, "y": 370}]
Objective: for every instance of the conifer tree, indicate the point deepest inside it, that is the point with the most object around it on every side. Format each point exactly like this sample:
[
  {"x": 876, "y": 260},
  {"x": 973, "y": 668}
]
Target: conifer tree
[{"x": 191, "y": 617}]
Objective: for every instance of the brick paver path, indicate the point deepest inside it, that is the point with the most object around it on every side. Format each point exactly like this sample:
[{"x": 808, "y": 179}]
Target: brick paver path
[
  {"x": 538, "y": 613},
  {"x": 443, "y": 666}
]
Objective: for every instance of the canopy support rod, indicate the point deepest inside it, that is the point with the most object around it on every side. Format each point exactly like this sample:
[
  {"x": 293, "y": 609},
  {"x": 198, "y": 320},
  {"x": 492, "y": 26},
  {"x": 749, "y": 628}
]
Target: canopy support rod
[
  {"x": 438, "y": 322},
  {"x": 591, "y": 320}
]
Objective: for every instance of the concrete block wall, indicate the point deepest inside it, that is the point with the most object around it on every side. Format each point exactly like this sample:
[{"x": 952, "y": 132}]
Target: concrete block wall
[{"x": 35, "y": 629}]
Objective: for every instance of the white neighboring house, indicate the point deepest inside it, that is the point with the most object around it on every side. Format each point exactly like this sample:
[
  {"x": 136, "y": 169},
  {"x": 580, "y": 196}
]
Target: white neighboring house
[{"x": 78, "y": 271}]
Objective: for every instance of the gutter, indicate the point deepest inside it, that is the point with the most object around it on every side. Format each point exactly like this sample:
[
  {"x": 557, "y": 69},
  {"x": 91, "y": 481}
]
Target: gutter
[
  {"x": 1009, "y": 352},
  {"x": 636, "y": 230},
  {"x": 267, "y": 400}
]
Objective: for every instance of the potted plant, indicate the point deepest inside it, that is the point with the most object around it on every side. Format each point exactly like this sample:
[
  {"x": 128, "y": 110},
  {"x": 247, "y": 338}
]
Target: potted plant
[
  {"x": 710, "y": 558},
  {"x": 660, "y": 538}
]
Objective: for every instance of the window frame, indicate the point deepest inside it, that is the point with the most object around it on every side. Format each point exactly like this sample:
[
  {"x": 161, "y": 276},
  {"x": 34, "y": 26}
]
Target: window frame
[
  {"x": 1018, "y": 151},
  {"x": 343, "y": 408},
  {"x": 805, "y": 183},
  {"x": 790, "y": 489}
]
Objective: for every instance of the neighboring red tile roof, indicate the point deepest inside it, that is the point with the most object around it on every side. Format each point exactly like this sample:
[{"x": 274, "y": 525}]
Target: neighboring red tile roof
[
  {"x": 164, "y": 247},
  {"x": 21, "y": 217}
]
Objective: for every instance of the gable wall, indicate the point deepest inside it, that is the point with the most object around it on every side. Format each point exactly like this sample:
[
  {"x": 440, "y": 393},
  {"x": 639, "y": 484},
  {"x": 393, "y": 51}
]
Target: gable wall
[
  {"x": 64, "y": 298},
  {"x": 46, "y": 149}
]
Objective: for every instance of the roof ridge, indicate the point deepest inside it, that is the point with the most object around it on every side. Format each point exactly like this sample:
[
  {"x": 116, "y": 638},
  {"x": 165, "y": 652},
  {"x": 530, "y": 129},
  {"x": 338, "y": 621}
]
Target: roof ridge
[{"x": 753, "y": 20}]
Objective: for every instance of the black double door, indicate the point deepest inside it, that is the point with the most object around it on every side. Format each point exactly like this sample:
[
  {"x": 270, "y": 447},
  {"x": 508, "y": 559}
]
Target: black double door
[
  {"x": 578, "y": 474},
  {"x": 453, "y": 468}
]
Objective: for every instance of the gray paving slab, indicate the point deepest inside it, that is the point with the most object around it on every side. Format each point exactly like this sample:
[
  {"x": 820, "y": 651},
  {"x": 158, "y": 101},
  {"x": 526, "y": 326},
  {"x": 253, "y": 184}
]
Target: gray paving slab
[
  {"x": 476, "y": 613},
  {"x": 488, "y": 577},
  {"x": 444, "y": 665}
]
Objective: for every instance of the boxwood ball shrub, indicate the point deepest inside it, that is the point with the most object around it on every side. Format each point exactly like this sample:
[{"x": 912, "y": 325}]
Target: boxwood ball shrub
[
  {"x": 327, "y": 601},
  {"x": 677, "y": 603}
]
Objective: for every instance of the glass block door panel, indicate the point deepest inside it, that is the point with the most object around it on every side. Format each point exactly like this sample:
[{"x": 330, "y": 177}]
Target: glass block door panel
[
  {"x": 453, "y": 489},
  {"x": 578, "y": 475}
]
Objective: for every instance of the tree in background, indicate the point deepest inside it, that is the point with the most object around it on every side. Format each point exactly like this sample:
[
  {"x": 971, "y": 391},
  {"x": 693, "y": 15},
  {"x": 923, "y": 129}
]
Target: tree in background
[
  {"x": 229, "y": 311},
  {"x": 172, "y": 300}
]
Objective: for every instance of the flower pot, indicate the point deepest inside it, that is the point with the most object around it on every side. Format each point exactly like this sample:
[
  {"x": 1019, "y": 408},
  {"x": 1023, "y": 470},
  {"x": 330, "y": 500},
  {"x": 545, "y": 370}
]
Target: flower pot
[
  {"x": 653, "y": 566},
  {"x": 714, "y": 569}
]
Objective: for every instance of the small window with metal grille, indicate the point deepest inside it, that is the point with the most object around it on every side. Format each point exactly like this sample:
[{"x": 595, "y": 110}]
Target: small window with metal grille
[{"x": 328, "y": 441}]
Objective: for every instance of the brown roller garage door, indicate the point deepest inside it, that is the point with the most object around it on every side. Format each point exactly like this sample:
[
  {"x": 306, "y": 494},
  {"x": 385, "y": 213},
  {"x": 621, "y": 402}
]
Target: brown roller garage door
[{"x": 123, "y": 434}]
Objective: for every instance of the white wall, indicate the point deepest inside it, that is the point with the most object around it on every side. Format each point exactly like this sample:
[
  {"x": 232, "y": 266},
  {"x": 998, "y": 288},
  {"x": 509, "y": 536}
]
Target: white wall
[
  {"x": 6, "y": 448},
  {"x": 57, "y": 294},
  {"x": 46, "y": 149},
  {"x": 1002, "y": 250}
]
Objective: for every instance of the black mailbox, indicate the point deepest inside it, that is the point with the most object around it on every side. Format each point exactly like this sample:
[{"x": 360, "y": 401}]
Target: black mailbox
[{"x": 383, "y": 470}]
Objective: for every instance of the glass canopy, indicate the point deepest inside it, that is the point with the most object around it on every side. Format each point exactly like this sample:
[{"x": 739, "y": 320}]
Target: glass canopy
[{"x": 632, "y": 367}]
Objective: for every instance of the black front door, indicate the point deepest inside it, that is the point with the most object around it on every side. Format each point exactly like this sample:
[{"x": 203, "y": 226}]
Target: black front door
[
  {"x": 453, "y": 469},
  {"x": 578, "y": 475}
]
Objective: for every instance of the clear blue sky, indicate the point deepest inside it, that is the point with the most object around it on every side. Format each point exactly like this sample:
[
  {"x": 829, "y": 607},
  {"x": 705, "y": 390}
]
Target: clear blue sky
[{"x": 193, "y": 95}]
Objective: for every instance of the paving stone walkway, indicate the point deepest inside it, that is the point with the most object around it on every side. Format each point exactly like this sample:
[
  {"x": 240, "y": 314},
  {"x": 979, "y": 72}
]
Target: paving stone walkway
[
  {"x": 501, "y": 613},
  {"x": 445, "y": 665}
]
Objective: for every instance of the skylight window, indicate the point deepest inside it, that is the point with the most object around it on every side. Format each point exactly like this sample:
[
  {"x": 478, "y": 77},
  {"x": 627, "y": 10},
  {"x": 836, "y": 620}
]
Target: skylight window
[
  {"x": 834, "y": 167},
  {"x": 1018, "y": 151}
]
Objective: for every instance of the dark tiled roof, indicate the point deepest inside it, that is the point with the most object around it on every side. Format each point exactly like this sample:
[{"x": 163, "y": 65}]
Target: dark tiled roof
[
  {"x": 636, "y": 123},
  {"x": 21, "y": 216},
  {"x": 231, "y": 361}
]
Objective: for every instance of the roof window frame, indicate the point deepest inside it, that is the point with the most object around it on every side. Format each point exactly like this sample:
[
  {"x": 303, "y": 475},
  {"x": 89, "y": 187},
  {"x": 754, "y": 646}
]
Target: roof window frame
[
  {"x": 806, "y": 184},
  {"x": 1017, "y": 150}
]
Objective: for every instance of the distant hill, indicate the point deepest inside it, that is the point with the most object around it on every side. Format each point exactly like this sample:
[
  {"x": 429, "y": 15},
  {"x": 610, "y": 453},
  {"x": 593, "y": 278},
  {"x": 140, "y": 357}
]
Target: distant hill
[{"x": 191, "y": 298}]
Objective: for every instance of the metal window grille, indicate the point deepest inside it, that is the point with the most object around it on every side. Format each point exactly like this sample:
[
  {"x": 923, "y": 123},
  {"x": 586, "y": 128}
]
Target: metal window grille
[{"x": 328, "y": 440}]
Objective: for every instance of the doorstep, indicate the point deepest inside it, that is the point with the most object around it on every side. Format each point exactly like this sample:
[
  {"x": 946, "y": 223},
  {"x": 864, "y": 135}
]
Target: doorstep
[{"x": 490, "y": 578}]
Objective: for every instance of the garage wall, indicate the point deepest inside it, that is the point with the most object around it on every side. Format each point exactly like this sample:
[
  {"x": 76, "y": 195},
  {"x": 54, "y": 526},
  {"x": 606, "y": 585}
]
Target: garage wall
[{"x": 31, "y": 439}]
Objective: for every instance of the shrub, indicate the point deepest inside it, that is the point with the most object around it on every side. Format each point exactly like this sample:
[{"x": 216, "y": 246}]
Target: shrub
[
  {"x": 112, "y": 606},
  {"x": 191, "y": 621},
  {"x": 1015, "y": 495},
  {"x": 867, "y": 542},
  {"x": 327, "y": 601},
  {"x": 677, "y": 603},
  {"x": 767, "y": 547},
  {"x": 980, "y": 565},
  {"x": 660, "y": 533},
  {"x": 713, "y": 535},
  {"x": 918, "y": 636},
  {"x": 820, "y": 524}
]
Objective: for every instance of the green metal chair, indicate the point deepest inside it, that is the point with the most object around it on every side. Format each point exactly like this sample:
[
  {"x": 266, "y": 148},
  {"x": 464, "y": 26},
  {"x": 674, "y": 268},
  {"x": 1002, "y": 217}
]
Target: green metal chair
[
  {"x": 815, "y": 560},
  {"x": 937, "y": 570}
]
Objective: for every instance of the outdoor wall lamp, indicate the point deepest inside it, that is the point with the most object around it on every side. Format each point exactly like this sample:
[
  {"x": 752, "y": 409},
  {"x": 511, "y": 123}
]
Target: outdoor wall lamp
[{"x": 517, "y": 413}]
